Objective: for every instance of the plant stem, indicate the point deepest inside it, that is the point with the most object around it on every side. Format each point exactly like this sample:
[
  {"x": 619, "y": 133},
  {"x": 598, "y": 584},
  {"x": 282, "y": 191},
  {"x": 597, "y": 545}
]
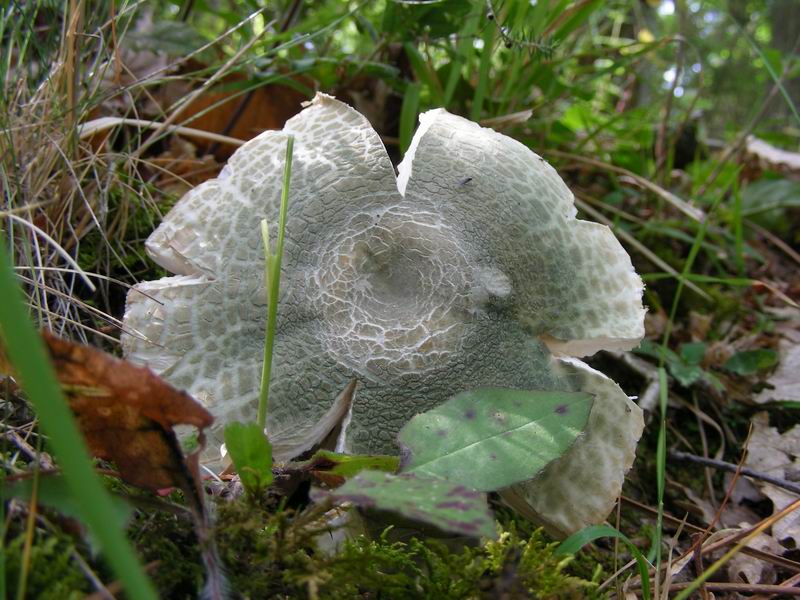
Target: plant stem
[{"x": 272, "y": 268}]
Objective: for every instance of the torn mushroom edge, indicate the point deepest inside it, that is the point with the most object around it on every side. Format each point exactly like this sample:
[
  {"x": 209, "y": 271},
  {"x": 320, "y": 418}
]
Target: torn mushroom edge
[{"x": 557, "y": 347}]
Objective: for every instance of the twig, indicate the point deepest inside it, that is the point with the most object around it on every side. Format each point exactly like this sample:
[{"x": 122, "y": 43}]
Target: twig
[
  {"x": 775, "y": 240},
  {"x": 726, "y": 466},
  {"x": 100, "y": 588},
  {"x": 740, "y": 545},
  {"x": 191, "y": 97},
  {"x": 233, "y": 119},
  {"x": 45, "y": 462},
  {"x": 662, "y": 129},
  {"x": 115, "y": 587},
  {"x": 648, "y": 400}
]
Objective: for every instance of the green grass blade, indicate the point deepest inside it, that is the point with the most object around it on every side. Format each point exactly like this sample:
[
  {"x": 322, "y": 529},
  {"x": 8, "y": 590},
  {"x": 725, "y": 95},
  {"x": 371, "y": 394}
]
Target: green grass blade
[
  {"x": 408, "y": 115},
  {"x": 3, "y": 539},
  {"x": 775, "y": 77},
  {"x": 737, "y": 227},
  {"x": 273, "y": 280},
  {"x": 424, "y": 73},
  {"x": 463, "y": 51},
  {"x": 27, "y": 353},
  {"x": 578, "y": 540},
  {"x": 662, "y": 376},
  {"x": 483, "y": 73}
]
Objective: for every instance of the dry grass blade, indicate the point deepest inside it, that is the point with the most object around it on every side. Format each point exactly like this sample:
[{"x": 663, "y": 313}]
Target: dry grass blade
[
  {"x": 96, "y": 126},
  {"x": 683, "y": 206},
  {"x": 55, "y": 245},
  {"x": 749, "y": 535}
]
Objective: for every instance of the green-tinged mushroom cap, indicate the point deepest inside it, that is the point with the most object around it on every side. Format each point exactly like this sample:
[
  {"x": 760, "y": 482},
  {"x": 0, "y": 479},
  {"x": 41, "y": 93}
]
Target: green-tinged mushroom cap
[{"x": 466, "y": 270}]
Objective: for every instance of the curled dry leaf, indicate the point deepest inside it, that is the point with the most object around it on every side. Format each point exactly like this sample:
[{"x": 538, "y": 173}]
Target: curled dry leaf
[{"x": 127, "y": 413}]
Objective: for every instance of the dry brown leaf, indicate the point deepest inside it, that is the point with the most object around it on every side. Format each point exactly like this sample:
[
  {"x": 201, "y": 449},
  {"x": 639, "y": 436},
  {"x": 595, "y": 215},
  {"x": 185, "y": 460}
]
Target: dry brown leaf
[
  {"x": 126, "y": 414},
  {"x": 749, "y": 569}
]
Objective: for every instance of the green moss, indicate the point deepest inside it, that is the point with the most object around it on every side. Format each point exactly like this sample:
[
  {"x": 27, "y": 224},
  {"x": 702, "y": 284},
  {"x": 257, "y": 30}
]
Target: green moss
[
  {"x": 273, "y": 554},
  {"x": 512, "y": 566},
  {"x": 170, "y": 540},
  {"x": 53, "y": 573},
  {"x": 270, "y": 551}
]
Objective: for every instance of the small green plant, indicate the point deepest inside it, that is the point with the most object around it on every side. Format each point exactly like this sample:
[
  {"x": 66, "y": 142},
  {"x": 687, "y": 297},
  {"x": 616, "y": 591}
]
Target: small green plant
[
  {"x": 272, "y": 279},
  {"x": 249, "y": 448}
]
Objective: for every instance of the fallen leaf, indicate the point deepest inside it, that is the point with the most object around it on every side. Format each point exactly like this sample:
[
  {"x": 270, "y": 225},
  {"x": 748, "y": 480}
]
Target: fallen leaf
[
  {"x": 492, "y": 438},
  {"x": 772, "y": 158},
  {"x": 437, "y": 502},
  {"x": 784, "y": 384},
  {"x": 126, "y": 414},
  {"x": 778, "y": 455},
  {"x": 749, "y": 569}
]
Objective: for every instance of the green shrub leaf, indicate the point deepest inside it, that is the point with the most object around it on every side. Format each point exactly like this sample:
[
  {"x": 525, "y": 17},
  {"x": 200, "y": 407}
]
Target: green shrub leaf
[{"x": 492, "y": 438}]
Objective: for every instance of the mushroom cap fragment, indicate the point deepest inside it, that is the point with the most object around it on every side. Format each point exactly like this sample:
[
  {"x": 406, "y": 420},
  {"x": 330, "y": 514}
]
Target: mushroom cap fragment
[{"x": 466, "y": 270}]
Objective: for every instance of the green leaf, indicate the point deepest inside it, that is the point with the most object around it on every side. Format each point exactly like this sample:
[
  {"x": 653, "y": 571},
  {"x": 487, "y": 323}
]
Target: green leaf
[
  {"x": 578, "y": 540},
  {"x": 348, "y": 465},
  {"x": 683, "y": 368},
  {"x": 748, "y": 362},
  {"x": 424, "y": 73},
  {"x": 686, "y": 375},
  {"x": 693, "y": 353},
  {"x": 251, "y": 454},
  {"x": 492, "y": 438},
  {"x": 408, "y": 115},
  {"x": 442, "y": 504}
]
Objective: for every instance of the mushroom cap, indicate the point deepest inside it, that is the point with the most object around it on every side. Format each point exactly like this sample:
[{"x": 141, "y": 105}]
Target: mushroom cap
[{"x": 467, "y": 269}]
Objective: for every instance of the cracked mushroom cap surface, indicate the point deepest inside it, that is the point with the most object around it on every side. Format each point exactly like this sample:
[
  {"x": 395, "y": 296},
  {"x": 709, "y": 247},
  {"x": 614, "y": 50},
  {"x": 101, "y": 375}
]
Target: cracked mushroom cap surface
[{"x": 465, "y": 269}]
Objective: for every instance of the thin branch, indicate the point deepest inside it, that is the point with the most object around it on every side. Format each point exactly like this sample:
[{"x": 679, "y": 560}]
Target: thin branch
[{"x": 730, "y": 467}]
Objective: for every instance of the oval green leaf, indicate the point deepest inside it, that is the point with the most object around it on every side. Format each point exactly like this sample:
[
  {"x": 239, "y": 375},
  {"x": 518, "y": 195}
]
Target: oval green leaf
[
  {"x": 491, "y": 438},
  {"x": 251, "y": 453},
  {"x": 748, "y": 362}
]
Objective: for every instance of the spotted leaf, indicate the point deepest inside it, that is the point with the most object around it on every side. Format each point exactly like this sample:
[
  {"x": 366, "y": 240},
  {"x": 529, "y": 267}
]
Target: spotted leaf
[
  {"x": 492, "y": 438},
  {"x": 445, "y": 505}
]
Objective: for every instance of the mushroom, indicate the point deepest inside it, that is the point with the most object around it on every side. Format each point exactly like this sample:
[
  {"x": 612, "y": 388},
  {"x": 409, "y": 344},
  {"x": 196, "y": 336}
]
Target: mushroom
[{"x": 466, "y": 269}]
